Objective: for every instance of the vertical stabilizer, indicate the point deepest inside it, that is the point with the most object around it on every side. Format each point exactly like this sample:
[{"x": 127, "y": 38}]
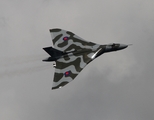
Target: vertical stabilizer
[{"x": 53, "y": 52}]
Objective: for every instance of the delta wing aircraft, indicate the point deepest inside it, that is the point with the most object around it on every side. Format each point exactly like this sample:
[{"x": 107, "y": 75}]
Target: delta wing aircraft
[{"x": 72, "y": 53}]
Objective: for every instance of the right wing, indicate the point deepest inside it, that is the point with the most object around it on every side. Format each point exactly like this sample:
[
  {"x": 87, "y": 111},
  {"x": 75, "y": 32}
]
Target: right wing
[{"x": 67, "y": 41}]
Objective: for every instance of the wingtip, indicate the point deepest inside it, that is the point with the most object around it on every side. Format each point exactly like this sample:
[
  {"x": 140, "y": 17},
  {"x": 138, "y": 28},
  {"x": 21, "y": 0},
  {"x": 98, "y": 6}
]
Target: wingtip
[
  {"x": 55, "y": 30},
  {"x": 53, "y": 88}
]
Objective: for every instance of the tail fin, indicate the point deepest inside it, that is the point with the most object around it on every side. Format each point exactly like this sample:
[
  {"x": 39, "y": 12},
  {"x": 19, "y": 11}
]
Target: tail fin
[{"x": 53, "y": 52}]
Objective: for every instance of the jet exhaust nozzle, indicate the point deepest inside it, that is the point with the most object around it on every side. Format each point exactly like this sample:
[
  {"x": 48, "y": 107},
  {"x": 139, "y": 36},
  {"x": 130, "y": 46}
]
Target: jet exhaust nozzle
[{"x": 49, "y": 59}]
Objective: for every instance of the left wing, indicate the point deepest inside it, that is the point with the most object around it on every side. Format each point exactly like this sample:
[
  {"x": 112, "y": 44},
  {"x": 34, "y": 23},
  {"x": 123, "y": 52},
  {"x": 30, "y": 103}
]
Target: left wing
[{"x": 68, "y": 68}]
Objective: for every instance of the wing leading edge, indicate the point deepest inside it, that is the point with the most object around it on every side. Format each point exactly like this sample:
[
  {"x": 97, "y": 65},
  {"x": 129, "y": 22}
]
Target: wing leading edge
[{"x": 67, "y": 70}]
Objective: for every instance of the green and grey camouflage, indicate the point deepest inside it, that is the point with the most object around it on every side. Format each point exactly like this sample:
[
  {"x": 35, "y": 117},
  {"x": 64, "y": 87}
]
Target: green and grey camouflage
[{"x": 72, "y": 53}]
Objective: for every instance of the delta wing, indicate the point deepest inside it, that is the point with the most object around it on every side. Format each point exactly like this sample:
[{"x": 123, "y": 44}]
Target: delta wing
[{"x": 79, "y": 53}]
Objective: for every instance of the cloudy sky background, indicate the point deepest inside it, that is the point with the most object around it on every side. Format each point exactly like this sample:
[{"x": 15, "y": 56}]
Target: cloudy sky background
[{"x": 115, "y": 86}]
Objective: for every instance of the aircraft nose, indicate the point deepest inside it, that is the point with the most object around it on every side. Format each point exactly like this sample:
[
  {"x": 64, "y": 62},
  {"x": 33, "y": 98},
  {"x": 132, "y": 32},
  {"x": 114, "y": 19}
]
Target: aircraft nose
[{"x": 122, "y": 46}]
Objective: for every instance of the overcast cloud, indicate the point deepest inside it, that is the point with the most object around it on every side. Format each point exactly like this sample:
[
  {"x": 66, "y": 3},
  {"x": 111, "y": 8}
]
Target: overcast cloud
[{"x": 115, "y": 86}]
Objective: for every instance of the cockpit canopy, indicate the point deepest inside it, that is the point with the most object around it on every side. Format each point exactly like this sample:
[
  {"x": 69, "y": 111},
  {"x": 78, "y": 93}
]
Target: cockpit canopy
[{"x": 113, "y": 44}]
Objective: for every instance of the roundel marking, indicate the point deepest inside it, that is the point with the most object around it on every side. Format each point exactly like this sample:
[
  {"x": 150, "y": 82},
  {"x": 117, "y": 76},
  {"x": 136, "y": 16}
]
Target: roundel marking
[
  {"x": 65, "y": 38},
  {"x": 67, "y": 73}
]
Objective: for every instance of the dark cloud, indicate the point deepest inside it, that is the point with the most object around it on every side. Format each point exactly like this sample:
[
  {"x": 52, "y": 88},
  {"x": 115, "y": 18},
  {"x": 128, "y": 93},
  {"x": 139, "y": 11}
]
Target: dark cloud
[{"x": 116, "y": 86}]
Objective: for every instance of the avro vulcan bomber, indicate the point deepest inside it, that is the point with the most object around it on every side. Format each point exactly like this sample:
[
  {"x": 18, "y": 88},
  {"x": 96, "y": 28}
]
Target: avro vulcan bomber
[{"x": 72, "y": 53}]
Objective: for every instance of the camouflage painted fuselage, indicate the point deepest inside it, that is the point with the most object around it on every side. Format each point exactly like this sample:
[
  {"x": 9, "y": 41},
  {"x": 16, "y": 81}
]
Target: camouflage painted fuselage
[{"x": 72, "y": 53}]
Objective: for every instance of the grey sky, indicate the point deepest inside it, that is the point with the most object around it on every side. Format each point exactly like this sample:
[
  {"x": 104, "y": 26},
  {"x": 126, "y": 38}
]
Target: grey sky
[{"x": 115, "y": 86}]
